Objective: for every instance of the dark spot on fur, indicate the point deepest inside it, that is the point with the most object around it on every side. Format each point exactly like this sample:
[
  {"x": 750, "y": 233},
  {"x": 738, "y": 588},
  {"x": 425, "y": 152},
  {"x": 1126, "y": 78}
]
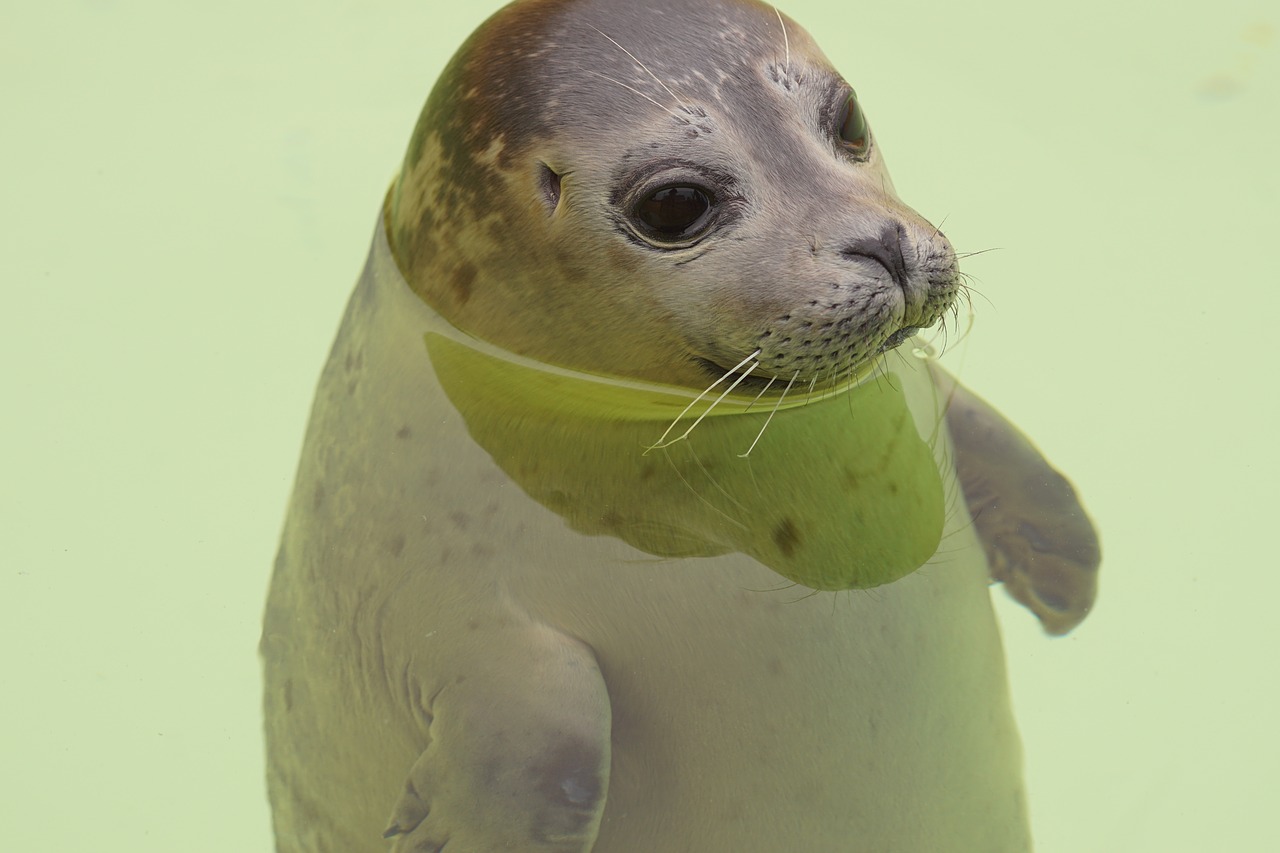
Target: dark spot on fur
[
  {"x": 396, "y": 546},
  {"x": 287, "y": 695},
  {"x": 460, "y": 282},
  {"x": 460, "y": 519},
  {"x": 786, "y": 537},
  {"x": 403, "y": 433},
  {"x": 317, "y": 498}
]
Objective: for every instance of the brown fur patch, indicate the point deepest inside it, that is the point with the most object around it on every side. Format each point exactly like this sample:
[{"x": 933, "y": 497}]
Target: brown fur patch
[{"x": 787, "y": 537}]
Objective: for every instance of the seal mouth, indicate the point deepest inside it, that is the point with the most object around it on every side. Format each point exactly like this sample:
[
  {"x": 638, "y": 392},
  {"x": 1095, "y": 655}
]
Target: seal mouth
[
  {"x": 898, "y": 338},
  {"x": 758, "y": 382},
  {"x": 752, "y": 381}
]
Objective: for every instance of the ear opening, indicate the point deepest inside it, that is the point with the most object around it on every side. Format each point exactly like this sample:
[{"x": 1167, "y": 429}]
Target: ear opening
[{"x": 550, "y": 184}]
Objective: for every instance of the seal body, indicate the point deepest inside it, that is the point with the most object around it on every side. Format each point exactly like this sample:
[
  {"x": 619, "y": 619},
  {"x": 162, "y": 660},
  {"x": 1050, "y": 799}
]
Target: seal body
[
  {"x": 620, "y": 389},
  {"x": 431, "y": 625}
]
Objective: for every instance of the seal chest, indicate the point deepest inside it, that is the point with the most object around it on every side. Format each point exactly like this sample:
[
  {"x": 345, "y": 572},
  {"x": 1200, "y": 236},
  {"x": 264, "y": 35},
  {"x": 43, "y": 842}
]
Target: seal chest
[{"x": 625, "y": 521}]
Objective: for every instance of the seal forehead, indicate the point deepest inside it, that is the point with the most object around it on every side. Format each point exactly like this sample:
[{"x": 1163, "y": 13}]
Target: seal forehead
[
  {"x": 540, "y": 65},
  {"x": 588, "y": 68}
]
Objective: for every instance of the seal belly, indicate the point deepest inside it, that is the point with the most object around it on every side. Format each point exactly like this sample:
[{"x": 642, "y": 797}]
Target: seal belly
[{"x": 751, "y": 718}]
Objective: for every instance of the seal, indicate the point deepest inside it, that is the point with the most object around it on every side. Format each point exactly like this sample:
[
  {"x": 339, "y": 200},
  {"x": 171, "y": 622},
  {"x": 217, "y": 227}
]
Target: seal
[{"x": 632, "y": 514}]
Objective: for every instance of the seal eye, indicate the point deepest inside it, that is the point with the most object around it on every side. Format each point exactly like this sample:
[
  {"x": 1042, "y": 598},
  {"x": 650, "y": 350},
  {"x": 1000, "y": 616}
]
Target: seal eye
[
  {"x": 674, "y": 212},
  {"x": 853, "y": 127}
]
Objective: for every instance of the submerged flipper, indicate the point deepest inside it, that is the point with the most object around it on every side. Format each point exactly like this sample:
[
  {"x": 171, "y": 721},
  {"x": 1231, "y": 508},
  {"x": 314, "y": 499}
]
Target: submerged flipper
[
  {"x": 1039, "y": 541},
  {"x": 517, "y": 754}
]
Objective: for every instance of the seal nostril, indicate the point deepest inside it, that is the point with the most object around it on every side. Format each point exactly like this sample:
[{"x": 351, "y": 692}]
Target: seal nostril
[{"x": 885, "y": 249}]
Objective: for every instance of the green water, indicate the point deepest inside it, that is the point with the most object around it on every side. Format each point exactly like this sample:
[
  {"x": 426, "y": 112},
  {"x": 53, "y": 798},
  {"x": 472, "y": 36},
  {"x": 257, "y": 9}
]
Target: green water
[{"x": 871, "y": 499}]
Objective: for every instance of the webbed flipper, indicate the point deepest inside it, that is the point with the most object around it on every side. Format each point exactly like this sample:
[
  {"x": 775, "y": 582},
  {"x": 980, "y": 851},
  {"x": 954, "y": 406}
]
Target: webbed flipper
[
  {"x": 517, "y": 755},
  {"x": 1039, "y": 541}
]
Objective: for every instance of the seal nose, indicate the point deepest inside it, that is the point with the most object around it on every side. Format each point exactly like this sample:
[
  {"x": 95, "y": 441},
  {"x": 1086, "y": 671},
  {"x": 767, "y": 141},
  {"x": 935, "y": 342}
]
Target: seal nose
[{"x": 885, "y": 249}]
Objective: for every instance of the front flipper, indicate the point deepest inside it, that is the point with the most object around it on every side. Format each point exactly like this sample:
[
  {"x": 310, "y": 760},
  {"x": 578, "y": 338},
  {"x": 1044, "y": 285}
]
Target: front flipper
[
  {"x": 1039, "y": 541},
  {"x": 518, "y": 751}
]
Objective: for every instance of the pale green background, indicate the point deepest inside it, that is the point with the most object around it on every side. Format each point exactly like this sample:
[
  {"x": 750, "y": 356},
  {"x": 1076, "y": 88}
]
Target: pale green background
[{"x": 187, "y": 196}]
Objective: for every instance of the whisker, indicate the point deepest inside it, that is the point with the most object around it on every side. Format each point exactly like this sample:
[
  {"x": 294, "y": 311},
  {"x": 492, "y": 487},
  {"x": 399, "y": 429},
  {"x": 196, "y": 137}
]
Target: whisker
[
  {"x": 770, "y": 418},
  {"x": 937, "y": 229},
  {"x": 902, "y": 359},
  {"x": 839, "y": 376},
  {"x": 881, "y": 372},
  {"x": 643, "y": 67},
  {"x": 715, "y": 484},
  {"x": 970, "y": 316},
  {"x": 638, "y": 92},
  {"x": 697, "y": 399},
  {"x": 779, "y": 588},
  {"x": 969, "y": 290},
  {"x": 978, "y": 252},
  {"x": 786, "y": 42},
  {"x": 662, "y": 442},
  {"x": 694, "y": 492},
  {"x": 848, "y": 398},
  {"x": 810, "y": 594},
  {"x": 769, "y": 385}
]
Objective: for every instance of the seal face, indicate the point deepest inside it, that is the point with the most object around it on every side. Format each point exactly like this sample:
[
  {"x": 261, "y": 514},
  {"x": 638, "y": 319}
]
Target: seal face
[{"x": 671, "y": 191}]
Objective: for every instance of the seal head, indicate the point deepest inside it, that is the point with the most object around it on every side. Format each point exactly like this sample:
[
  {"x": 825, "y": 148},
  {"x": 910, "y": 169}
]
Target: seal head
[{"x": 599, "y": 185}]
